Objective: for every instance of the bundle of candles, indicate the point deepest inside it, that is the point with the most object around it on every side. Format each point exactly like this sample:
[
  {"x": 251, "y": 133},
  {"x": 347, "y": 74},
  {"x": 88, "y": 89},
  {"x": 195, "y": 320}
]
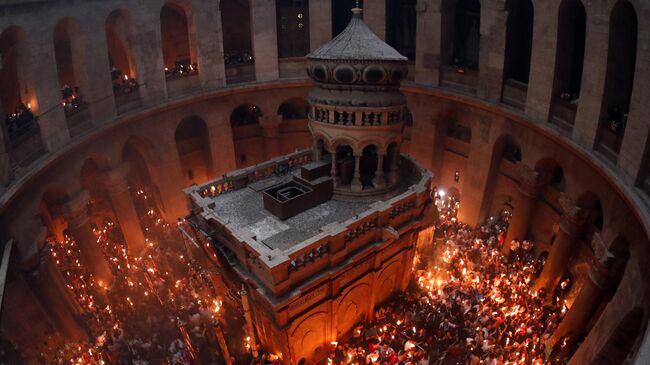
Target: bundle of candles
[
  {"x": 469, "y": 305},
  {"x": 159, "y": 309}
]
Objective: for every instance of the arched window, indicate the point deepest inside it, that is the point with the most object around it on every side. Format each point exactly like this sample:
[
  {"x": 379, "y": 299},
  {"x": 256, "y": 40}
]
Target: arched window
[
  {"x": 569, "y": 57},
  {"x": 293, "y": 27},
  {"x": 178, "y": 41},
  {"x": 619, "y": 80},
  {"x": 293, "y": 109},
  {"x": 69, "y": 66},
  {"x": 237, "y": 41},
  {"x": 401, "y": 20}
]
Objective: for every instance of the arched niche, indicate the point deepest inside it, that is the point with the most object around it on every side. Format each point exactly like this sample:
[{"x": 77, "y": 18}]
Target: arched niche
[
  {"x": 178, "y": 37},
  {"x": 193, "y": 147},
  {"x": 569, "y": 59},
  {"x": 619, "y": 79}
]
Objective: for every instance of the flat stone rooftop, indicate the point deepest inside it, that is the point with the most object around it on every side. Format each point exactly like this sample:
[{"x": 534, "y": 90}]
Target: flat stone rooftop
[{"x": 244, "y": 209}]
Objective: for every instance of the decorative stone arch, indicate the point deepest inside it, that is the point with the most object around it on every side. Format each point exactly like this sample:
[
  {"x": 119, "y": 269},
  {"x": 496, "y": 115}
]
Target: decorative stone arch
[
  {"x": 385, "y": 285},
  {"x": 352, "y": 307},
  {"x": 237, "y": 40},
  {"x": 345, "y": 141},
  {"x": 519, "y": 40},
  {"x": 294, "y": 109},
  {"x": 142, "y": 159},
  {"x": 245, "y": 114},
  {"x": 68, "y": 53},
  {"x": 460, "y": 33},
  {"x": 309, "y": 334},
  {"x": 193, "y": 146},
  {"x": 378, "y": 142}
]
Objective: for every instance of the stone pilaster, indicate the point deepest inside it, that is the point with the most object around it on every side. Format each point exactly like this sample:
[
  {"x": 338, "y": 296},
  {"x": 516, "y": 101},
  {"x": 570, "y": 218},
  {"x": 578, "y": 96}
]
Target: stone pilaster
[
  {"x": 265, "y": 42},
  {"x": 492, "y": 49},
  {"x": 542, "y": 62},
  {"x": 76, "y": 213},
  {"x": 147, "y": 51},
  {"x": 122, "y": 201},
  {"x": 46, "y": 103},
  {"x": 428, "y": 42},
  {"x": 374, "y": 14},
  {"x": 593, "y": 79},
  {"x": 209, "y": 44},
  {"x": 271, "y": 133},
  {"x": 320, "y": 23},
  {"x": 97, "y": 90}
]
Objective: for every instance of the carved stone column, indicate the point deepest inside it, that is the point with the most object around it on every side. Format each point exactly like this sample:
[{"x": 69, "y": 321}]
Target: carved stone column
[
  {"x": 356, "y": 185},
  {"x": 379, "y": 181},
  {"x": 333, "y": 171},
  {"x": 76, "y": 213},
  {"x": 271, "y": 132},
  {"x": 560, "y": 253},
  {"x": 589, "y": 299},
  {"x": 529, "y": 187},
  {"x": 119, "y": 192}
]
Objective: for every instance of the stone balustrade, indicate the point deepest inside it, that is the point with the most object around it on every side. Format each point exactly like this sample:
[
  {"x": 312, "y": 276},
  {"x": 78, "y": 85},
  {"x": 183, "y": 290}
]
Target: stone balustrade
[{"x": 367, "y": 117}]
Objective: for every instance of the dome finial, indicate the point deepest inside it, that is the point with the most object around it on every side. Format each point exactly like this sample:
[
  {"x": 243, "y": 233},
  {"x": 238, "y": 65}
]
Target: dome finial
[{"x": 357, "y": 10}]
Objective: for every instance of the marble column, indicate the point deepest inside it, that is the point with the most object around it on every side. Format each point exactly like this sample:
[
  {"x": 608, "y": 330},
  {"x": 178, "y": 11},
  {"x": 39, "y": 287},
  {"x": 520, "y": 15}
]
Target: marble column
[
  {"x": 560, "y": 252},
  {"x": 76, "y": 213},
  {"x": 320, "y": 23},
  {"x": 379, "y": 181},
  {"x": 57, "y": 298},
  {"x": 271, "y": 133},
  {"x": 428, "y": 42},
  {"x": 122, "y": 201},
  {"x": 374, "y": 15},
  {"x": 529, "y": 186},
  {"x": 209, "y": 44},
  {"x": 97, "y": 90},
  {"x": 356, "y": 185},
  {"x": 265, "y": 41},
  {"x": 46, "y": 97}
]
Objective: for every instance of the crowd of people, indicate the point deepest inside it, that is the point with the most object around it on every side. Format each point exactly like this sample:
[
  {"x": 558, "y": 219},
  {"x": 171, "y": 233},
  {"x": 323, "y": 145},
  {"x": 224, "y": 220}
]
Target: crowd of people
[
  {"x": 122, "y": 83},
  {"x": 160, "y": 309},
  {"x": 70, "y": 99},
  {"x": 467, "y": 304},
  {"x": 180, "y": 69}
]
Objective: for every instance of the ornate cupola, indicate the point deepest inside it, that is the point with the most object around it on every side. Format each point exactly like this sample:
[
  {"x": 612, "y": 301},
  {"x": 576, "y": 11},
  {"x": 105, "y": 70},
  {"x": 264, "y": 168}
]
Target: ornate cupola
[{"x": 357, "y": 110}]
